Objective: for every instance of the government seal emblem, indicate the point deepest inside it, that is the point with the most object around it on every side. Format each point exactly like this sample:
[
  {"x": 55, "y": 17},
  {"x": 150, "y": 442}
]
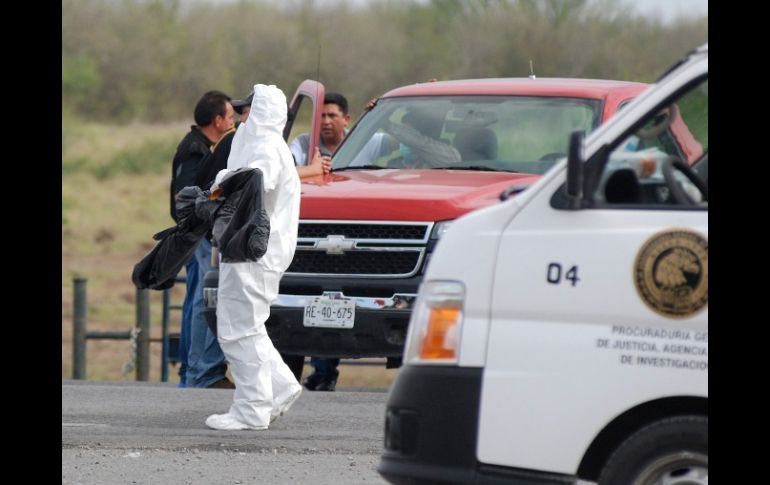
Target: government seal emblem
[{"x": 671, "y": 273}]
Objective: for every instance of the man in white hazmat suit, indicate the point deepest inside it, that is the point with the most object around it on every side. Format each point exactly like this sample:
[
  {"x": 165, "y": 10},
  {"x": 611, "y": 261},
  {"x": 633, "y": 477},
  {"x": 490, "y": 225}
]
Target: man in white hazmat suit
[{"x": 265, "y": 387}]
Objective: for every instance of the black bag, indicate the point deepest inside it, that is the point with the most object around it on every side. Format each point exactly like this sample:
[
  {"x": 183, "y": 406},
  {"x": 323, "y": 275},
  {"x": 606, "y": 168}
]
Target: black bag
[
  {"x": 176, "y": 245},
  {"x": 245, "y": 235},
  {"x": 240, "y": 223}
]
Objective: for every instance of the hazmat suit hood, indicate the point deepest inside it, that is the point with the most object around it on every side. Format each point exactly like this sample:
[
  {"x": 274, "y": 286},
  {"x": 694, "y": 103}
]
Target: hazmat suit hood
[{"x": 266, "y": 121}]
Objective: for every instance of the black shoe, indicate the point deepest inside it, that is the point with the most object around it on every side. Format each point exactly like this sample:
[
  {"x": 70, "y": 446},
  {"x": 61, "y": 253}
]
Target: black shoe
[
  {"x": 312, "y": 381},
  {"x": 316, "y": 382},
  {"x": 223, "y": 383},
  {"x": 326, "y": 384}
]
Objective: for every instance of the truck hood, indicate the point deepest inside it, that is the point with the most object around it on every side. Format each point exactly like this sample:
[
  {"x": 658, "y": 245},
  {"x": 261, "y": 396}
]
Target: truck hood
[{"x": 403, "y": 194}]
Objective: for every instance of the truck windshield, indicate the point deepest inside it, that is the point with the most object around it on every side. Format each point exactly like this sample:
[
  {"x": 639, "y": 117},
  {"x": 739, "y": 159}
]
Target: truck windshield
[{"x": 506, "y": 133}]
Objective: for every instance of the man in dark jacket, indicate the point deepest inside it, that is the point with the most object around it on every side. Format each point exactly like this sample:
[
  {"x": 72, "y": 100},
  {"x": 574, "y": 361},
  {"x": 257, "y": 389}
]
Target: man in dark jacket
[
  {"x": 213, "y": 118},
  {"x": 201, "y": 358},
  {"x": 211, "y": 165}
]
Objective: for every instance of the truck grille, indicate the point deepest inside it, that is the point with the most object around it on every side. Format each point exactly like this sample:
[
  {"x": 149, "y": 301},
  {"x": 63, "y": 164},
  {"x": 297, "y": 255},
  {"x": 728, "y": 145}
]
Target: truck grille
[
  {"x": 359, "y": 263},
  {"x": 360, "y": 248}
]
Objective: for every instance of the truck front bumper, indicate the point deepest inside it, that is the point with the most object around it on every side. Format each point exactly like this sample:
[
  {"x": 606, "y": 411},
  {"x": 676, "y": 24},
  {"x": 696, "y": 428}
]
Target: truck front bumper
[{"x": 379, "y": 328}]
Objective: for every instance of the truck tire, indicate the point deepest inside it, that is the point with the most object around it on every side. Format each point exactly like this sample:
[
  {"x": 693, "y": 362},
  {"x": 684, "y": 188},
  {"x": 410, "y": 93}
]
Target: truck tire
[{"x": 672, "y": 451}]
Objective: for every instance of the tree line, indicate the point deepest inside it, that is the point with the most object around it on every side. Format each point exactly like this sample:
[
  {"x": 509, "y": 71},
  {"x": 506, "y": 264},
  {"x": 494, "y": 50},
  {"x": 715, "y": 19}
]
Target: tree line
[{"x": 150, "y": 60}]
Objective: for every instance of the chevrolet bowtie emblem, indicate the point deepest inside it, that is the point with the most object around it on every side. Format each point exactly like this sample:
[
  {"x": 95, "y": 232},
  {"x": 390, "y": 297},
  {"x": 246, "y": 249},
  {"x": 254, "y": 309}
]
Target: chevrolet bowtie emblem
[{"x": 335, "y": 244}]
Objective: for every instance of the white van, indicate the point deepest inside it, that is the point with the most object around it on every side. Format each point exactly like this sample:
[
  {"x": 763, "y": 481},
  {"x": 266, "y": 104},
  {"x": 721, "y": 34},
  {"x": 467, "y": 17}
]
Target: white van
[{"x": 562, "y": 335}]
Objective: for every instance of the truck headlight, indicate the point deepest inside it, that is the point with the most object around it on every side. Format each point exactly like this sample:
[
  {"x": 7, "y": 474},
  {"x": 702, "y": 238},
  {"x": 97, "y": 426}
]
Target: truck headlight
[
  {"x": 439, "y": 229},
  {"x": 434, "y": 328}
]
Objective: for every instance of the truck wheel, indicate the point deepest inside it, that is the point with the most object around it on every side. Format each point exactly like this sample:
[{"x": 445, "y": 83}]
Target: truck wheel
[{"x": 672, "y": 451}]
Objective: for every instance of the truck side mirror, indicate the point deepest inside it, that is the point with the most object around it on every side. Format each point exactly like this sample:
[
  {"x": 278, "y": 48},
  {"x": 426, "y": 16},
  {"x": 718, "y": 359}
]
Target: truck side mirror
[{"x": 575, "y": 168}]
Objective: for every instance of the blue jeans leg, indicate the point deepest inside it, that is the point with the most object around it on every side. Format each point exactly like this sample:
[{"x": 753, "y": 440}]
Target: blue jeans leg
[
  {"x": 205, "y": 360},
  {"x": 187, "y": 311},
  {"x": 325, "y": 367}
]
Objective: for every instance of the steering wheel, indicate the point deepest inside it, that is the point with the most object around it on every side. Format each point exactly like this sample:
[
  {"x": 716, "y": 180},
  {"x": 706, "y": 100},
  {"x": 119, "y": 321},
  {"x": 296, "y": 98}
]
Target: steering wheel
[{"x": 677, "y": 192}]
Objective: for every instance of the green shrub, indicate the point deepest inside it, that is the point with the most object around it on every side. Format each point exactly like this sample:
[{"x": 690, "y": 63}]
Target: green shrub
[
  {"x": 73, "y": 165},
  {"x": 67, "y": 204}
]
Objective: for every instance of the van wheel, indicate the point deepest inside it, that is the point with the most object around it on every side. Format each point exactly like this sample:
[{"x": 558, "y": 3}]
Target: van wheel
[{"x": 672, "y": 451}]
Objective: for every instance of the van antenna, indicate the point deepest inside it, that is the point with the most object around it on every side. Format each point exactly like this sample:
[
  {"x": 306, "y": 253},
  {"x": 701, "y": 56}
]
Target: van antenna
[{"x": 531, "y": 70}]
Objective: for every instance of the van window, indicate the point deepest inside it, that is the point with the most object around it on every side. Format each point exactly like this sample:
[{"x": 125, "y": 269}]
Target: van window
[{"x": 665, "y": 161}]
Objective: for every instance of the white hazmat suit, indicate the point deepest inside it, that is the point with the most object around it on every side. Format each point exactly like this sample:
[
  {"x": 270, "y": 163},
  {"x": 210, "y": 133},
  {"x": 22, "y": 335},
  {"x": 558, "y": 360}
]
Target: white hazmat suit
[{"x": 265, "y": 387}]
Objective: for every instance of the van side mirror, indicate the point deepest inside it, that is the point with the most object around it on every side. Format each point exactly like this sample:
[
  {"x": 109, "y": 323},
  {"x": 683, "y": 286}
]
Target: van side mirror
[
  {"x": 575, "y": 168},
  {"x": 512, "y": 190}
]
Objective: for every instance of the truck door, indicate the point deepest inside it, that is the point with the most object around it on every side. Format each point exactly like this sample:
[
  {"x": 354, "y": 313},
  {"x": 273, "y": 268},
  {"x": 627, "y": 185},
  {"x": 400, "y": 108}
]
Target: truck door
[
  {"x": 597, "y": 310},
  {"x": 304, "y": 114}
]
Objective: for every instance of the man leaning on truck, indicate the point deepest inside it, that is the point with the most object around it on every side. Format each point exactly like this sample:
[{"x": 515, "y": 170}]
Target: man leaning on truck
[{"x": 334, "y": 122}]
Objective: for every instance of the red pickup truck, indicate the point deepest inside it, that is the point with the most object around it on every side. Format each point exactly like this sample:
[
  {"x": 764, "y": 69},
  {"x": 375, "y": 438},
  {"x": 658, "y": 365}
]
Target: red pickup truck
[{"x": 424, "y": 155}]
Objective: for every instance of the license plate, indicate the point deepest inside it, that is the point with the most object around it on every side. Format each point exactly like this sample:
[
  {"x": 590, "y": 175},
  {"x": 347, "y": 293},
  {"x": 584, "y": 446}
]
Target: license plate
[{"x": 328, "y": 313}]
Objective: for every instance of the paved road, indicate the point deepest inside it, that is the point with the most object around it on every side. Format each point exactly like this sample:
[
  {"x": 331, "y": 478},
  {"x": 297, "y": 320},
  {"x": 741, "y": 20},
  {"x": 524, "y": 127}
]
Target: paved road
[{"x": 126, "y": 432}]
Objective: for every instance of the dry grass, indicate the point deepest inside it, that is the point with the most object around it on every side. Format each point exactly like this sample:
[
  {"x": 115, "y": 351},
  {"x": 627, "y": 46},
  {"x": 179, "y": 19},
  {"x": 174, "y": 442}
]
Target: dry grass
[
  {"x": 99, "y": 142},
  {"x": 107, "y": 226}
]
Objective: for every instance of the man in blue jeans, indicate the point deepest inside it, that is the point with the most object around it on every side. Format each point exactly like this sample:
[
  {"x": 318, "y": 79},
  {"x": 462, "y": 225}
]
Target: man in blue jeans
[
  {"x": 205, "y": 361},
  {"x": 201, "y": 358},
  {"x": 191, "y": 271}
]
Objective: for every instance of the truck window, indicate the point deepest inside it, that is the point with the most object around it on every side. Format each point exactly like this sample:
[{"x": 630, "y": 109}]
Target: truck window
[
  {"x": 525, "y": 134},
  {"x": 664, "y": 162}
]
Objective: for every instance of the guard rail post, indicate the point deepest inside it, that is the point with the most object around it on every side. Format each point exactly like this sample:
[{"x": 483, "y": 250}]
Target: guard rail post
[
  {"x": 143, "y": 339},
  {"x": 79, "y": 329},
  {"x": 164, "y": 336}
]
